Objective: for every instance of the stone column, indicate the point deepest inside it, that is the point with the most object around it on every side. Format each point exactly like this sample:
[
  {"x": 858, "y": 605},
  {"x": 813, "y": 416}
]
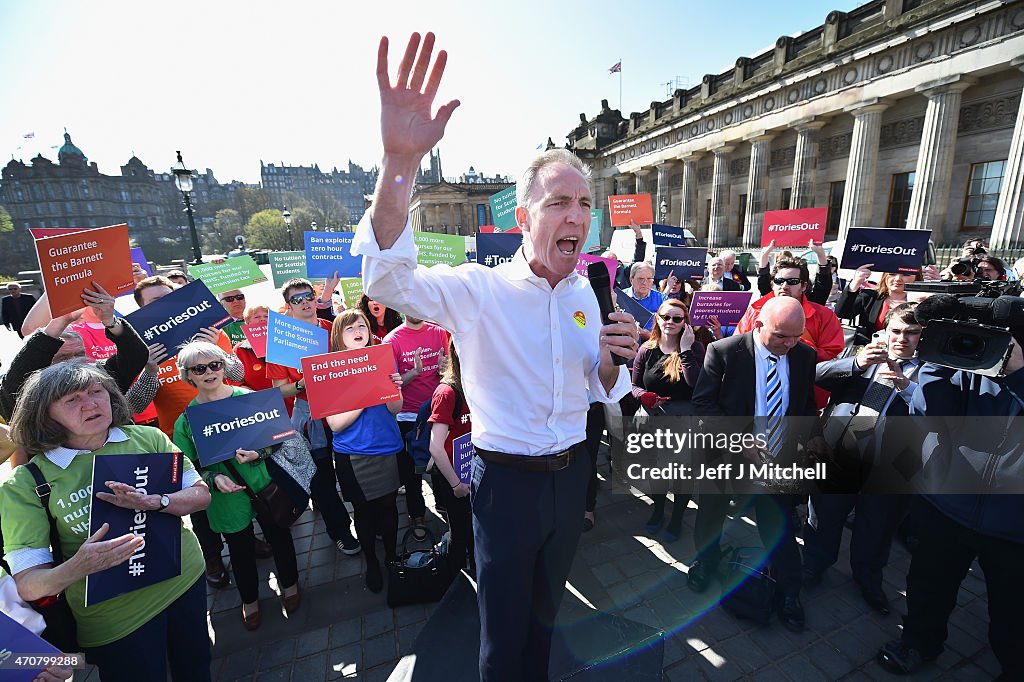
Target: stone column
[
  {"x": 757, "y": 188},
  {"x": 625, "y": 184},
  {"x": 805, "y": 163},
  {"x": 643, "y": 182},
  {"x": 719, "y": 231},
  {"x": 930, "y": 198},
  {"x": 859, "y": 196},
  {"x": 688, "y": 196},
  {"x": 601, "y": 193},
  {"x": 1008, "y": 227},
  {"x": 664, "y": 194}
]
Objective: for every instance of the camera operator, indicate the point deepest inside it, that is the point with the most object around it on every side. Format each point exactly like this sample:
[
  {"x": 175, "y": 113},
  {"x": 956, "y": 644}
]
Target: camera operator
[{"x": 954, "y": 530}]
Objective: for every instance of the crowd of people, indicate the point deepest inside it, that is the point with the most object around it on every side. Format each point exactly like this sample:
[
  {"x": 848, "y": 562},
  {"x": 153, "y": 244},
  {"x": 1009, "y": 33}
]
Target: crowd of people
[{"x": 86, "y": 384}]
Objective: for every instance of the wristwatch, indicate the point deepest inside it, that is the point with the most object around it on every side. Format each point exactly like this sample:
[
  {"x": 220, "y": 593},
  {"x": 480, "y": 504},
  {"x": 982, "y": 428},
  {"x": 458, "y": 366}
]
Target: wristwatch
[
  {"x": 300, "y": 389},
  {"x": 165, "y": 502},
  {"x": 117, "y": 321}
]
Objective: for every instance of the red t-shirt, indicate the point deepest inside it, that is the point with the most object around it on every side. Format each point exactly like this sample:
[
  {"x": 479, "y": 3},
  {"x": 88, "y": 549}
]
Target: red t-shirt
[
  {"x": 404, "y": 343},
  {"x": 442, "y": 405},
  {"x": 292, "y": 375},
  {"x": 256, "y": 373}
]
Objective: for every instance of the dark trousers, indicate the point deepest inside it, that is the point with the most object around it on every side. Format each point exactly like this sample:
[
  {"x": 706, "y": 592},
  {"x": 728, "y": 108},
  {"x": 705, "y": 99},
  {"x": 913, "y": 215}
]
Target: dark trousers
[
  {"x": 175, "y": 638},
  {"x": 413, "y": 482},
  {"x": 209, "y": 540},
  {"x": 242, "y": 546},
  {"x": 874, "y": 525},
  {"x": 526, "y": 526},
  {"x": 595, "y": 428},
  {"x": 323, "y": 490},
  {"x": 377, "y": 516},
  {"x": 940, "y": 562},
  {"x": 460, "y": 522},
  {"x": 776, "y": 524}
]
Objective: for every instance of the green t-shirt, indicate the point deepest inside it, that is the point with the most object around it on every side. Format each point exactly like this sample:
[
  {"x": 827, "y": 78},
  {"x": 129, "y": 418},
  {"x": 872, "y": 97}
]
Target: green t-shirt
[
  {"x": 234, "y": 332},
  {"x": 232, "y": 512},
  {"x": 25, "y": 527}
]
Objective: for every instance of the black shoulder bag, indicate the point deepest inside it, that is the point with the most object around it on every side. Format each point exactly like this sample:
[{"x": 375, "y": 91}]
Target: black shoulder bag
[{"x": 272, "y": 503}]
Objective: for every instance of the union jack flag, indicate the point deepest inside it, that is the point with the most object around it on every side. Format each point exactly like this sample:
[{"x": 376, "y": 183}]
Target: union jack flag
[{"x": 617, "y": 68}]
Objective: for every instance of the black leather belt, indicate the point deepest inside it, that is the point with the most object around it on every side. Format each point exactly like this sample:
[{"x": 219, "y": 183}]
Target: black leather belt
[{"x": 554, "y": 462}]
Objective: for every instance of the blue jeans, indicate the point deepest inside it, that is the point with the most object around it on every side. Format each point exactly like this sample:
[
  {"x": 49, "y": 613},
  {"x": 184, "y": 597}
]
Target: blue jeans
[{"x": 176, "y": 638}]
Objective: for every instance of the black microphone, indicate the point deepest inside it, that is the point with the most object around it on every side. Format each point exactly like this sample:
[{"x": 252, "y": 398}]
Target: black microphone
[
  {"x": 938, "y": 307},
  {"x": 602, "y": 284}
]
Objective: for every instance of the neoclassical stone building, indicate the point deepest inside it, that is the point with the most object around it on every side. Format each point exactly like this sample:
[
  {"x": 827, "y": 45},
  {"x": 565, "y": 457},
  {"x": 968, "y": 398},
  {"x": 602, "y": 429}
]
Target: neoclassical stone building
[{"x": 900, "y": 113}]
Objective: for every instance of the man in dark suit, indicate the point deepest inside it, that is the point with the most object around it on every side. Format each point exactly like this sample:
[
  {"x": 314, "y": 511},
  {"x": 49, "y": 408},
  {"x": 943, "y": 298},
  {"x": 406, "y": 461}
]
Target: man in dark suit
[
  {"x": 733, "y": 270},
  {"x": 717, "y": 275},
  {"x": 15, "y": 307},
  {"x": 879, "y": 381},
  {"x": 766, "y": 375}
]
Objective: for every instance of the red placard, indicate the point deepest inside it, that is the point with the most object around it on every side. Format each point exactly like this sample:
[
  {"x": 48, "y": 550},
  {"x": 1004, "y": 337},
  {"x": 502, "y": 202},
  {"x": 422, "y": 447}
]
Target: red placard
[
  {"x": 491, "y": 229},
  {"x": 72, "y": 262},
  {"x": 256, "y": 334},
  {"x": 349, "y": 379},
  {"x": 623, "y": 207},
  {"x": 41, "y": 232},
  {"x": 795, "y": 227}
]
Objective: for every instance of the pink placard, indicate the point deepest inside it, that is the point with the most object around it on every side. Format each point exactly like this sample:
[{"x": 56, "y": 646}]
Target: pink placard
[
  {"x": 586, "y": 259},
  {"x": 795, "y": 227}
]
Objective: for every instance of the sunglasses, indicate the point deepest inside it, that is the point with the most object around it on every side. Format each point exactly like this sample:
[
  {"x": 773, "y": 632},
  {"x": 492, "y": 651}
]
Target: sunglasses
[
  {"x": 232, "y": 299},
  {"x": 791, "y": 281},
  {"x": 673, "y": 318},
  {"x": 301, "y": 298},
  {"x": 200, "y": 370}
]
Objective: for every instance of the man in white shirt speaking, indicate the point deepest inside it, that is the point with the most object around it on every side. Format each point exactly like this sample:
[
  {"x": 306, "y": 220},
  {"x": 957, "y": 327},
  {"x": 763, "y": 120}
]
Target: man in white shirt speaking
[{"x": 531, "y": 341}]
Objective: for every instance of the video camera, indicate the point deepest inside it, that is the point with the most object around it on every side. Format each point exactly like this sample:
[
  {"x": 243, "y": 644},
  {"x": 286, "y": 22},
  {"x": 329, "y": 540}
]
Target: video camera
[
  {"x": 969, "y": 325},
  {"x": 967, "y": 264}
]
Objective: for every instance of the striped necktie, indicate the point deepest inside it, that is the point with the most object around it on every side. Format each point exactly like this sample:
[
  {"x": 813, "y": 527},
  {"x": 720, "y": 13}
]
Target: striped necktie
[{"x": 773, "y": 399}]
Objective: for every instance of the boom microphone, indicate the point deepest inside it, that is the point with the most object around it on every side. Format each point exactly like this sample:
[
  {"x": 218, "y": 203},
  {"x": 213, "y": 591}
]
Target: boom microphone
[
  {"x": 602, "y": 285},
  {"x": 938, "y": 307}
]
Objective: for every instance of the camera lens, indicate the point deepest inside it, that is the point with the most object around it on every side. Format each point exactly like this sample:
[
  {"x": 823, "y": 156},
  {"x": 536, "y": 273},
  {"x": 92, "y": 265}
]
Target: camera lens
[
  {"x": 960, "y": 269},
  {"x": 966, "y": 345}
]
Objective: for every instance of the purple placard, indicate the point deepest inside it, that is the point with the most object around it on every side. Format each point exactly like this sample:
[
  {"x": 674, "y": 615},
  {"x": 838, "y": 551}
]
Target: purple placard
[
  {"x": 727, "y": 306},
  {"x": 586, "y": 259},
  {"x": 140, "y": 258},
  {"x": 462, "y": 457}
]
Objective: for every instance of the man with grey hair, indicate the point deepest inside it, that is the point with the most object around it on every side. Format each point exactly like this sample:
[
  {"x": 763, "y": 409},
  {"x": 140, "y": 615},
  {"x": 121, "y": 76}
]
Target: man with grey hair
[
  {"x": 733, "y": 271},
  {"x": 529, "y": 335},
  {"x": 718, "y": 273},
  {"x": 641, "y": 290}
]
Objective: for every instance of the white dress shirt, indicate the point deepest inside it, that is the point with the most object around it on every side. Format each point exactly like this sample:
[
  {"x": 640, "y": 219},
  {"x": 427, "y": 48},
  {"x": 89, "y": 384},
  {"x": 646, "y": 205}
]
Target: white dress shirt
[{"x": 528, "y": 352}]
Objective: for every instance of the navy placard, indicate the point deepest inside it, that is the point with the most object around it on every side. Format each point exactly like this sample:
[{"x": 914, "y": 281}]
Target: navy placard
[
  {"x": 160, "y": 557},
  {"x": 462, "y": 457},
  {"x": 641, "y": 314},
  {"x": 250, "y": 421},
  {"x": 886, "y": 249},
  {"x": 497, "y": 248},
  {"x": 666, "y": 235},
  {"x": 685, "y": 262},
  {"x": 174, "y": 319},
  {"x": 17, "y": 640}
]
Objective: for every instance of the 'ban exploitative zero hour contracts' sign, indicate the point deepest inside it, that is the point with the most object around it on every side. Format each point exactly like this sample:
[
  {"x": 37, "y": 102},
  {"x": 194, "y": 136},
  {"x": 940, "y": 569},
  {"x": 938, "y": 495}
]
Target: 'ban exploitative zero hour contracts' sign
[{"x": 328, "y": 252}]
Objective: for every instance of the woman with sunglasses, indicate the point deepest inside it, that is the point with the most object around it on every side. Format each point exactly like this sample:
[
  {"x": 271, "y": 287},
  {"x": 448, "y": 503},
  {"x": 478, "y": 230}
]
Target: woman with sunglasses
[
  {"x": 664, "y": 373},
  {"x": 383, "y": 320},
  {"x": 366, "y": 444},
  {"x": 870, "y": 306},
  {"x": 201, "y": 364}
]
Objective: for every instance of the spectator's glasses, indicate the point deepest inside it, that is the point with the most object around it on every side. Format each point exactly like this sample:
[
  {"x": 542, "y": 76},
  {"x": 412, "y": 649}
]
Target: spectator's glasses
[
  {"x": 301, "y": 298},
  {"x": 232, "y": 299},
  {"x": 200, "y": 370},
  {"x": 678, "y": 319},
  {"x": 791, "y": 281}
]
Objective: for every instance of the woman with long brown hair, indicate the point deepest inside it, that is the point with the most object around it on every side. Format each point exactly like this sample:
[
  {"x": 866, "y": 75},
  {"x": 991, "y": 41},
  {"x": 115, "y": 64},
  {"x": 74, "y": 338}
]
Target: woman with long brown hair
[
  {"x": 382, "y": 319},
  {"x": 664, "y": 374},
  {"x": 870, "y": 306}
]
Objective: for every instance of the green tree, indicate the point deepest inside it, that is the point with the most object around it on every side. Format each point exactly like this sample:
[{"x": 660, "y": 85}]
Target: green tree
[
  {"x": 266, "y": 230},
  {"x": 226, "y": 224},
  {"x": 328, "y": 211},
  {"x": 251, "y": 200},
  {"x": 6, "y": 224}
]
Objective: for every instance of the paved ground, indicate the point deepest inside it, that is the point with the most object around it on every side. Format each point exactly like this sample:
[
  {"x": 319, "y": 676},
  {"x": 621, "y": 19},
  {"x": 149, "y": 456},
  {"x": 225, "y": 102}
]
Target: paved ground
[{"x": 344, "y": 631}]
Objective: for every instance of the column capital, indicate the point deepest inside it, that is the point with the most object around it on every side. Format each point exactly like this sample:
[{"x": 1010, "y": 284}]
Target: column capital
[
  {"x": 868, "y": 106},
  {"x": 692, "y": 157},
  {"x": 723, "y": 149},
  {"x": 941, "y": 86},
  {"x": 810, "y": 123},
  {"x": 623, "y": 177},
  {"x": 642, "y": 172},
  {"x": 667, "y": 164},
  {"x": 759, "y": 136}
]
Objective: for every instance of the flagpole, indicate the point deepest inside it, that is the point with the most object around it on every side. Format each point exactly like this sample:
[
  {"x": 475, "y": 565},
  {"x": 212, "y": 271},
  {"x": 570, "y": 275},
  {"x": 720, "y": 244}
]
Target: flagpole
[{"x": 620, "y": 84}]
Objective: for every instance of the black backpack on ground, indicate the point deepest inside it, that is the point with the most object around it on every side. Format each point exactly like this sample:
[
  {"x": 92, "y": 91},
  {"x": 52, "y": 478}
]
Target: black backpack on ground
[{"x": 748, "y": 585}]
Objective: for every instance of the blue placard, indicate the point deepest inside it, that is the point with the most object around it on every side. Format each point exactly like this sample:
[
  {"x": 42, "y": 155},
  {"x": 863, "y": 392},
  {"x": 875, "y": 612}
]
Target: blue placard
[
  {"x": 666, "y": 235},
  {"x": 250, "y": 421},
  {"x": 174, "y": 319},
  {"x": 16, "y": 639},
  {"x": 503, "y": 208},
  {"x": 594, "y": 236},
  {"x": 495, "y": 249},
  {"x": 641, "y": 314},
  {"x": 885, "y": 249},
  {"x": 462, "y": 457},
  {"x": 685, "y": 262},
  {"x": 160, "y": 557},
  {"x": 288, "y": 340},
  {"x": 328, "y": 252},
  {"x": 481, "y": 215}
]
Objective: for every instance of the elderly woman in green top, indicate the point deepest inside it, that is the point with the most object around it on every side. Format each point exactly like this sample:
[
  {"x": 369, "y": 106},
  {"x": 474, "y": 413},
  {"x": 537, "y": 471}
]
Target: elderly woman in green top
[
  {"x": 231, "y": 513},
  {"x": 65, "y": 415}
]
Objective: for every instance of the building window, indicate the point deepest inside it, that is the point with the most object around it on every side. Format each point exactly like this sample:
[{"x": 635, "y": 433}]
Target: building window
[
  {"x": 85, "y": 189},
  {"x": 899, "y": 199},
  {"x": 92, "y": 222},
  {"x": 743, "y": 212},
  {"x": 88, "y": 207},
  {"x": 69, "y": 208},
  {"x": 786, "y": 194},
  {"x": 835, "y": 204},
  {"x": 983, "y": 194},
  {"x": 67, "y": 190},
  {"x": 125, "y": 196}
]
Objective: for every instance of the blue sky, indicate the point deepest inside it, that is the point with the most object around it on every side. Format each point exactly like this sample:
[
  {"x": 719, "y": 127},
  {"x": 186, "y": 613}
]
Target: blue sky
[{"x": 231, "y": 83}]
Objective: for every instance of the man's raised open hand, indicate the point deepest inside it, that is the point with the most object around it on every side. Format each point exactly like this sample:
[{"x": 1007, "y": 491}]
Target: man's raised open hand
[{"x": 407, "y": 128}]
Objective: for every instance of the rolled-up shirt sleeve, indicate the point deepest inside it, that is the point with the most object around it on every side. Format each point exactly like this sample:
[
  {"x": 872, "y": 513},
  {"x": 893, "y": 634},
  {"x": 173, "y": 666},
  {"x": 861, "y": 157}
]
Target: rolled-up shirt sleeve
[{"x": 623, "y": 385}]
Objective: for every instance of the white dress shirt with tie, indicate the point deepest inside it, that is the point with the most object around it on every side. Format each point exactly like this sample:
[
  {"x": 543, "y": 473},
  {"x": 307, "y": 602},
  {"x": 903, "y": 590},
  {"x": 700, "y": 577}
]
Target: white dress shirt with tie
[{"x": 528, "y": 352}]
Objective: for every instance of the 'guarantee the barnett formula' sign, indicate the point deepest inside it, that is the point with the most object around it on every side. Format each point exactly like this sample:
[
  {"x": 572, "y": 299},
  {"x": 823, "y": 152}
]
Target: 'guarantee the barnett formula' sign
[
  {"x": 794, "y": 227},
  {"x": 885, "y": 249},
  {"x": 626, "y": 207},
  {"x": 69, "y": 263}
]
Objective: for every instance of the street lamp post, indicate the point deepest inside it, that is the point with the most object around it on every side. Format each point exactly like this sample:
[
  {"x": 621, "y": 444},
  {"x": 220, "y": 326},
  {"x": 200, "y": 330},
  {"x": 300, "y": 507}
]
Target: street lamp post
[
  {"x": 183, "y": 180},
  {"x": 287, "y": 215}
]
